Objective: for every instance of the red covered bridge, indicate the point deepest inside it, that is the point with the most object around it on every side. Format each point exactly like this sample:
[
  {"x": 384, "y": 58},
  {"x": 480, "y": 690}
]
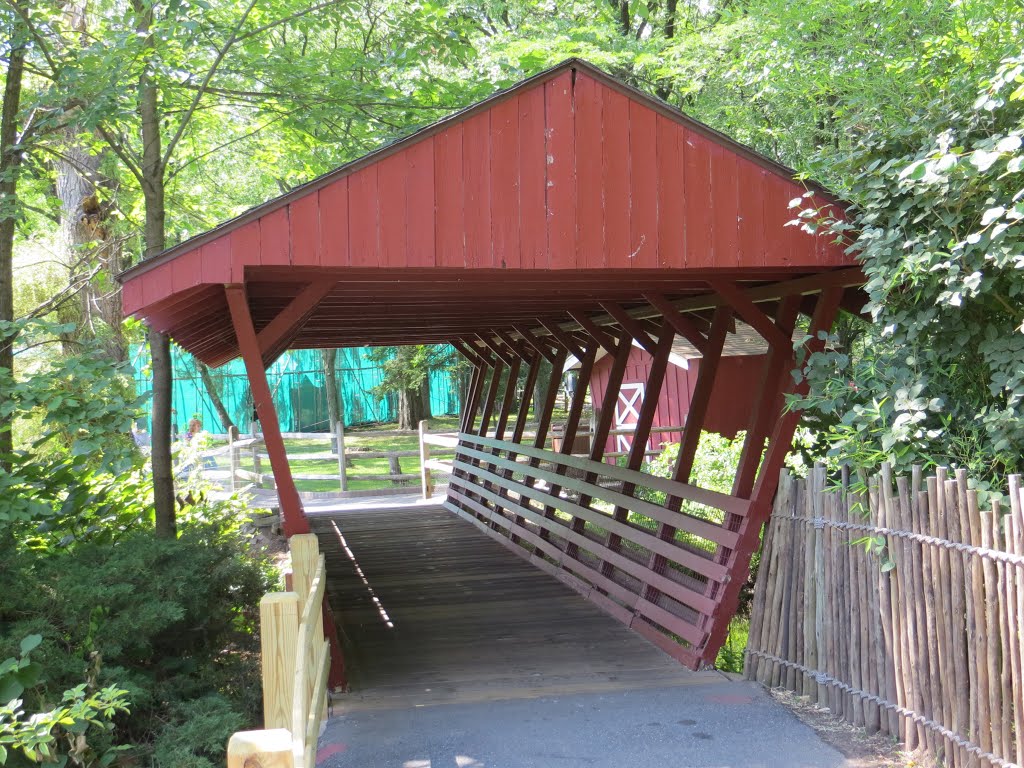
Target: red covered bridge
[{"x": 568, "y": 215}]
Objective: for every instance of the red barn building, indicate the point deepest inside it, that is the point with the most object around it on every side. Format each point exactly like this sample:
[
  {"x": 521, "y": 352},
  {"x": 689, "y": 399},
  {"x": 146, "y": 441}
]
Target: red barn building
[{"x": 729, "y": 411}]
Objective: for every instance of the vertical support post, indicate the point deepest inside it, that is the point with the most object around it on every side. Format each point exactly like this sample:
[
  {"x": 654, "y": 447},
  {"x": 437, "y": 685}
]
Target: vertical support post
[
  {"x": 579, "y": 397},
  {"x": 649, "y": 407},
  {"x": 475, "y": 387},
  {"x": 305, "y": 549},
  {"x": 267, "y": 749},
  {"x": 701, "y": 396},
  {"x": 533, "y": 368},
  {"x": 257, "y": 465},
  {"x": 294, "y": 518},
  {"x": 492, "y": 393},
  {"x": 339, "y": 433},
  {"x": 394, "y": 469},
  {"x": 279, "y": 631},
  {"x": 605, "y": 415},
  {"x": 738, "y": 560},
  {"x": 233, "y": 457},
  {"x": 765, "y": 411},
  {"x": 426, "y": 481},
  {"x": 548, "y": 406},
  {"x": 507, "y": 400},
  {"x": 573, "y": 422},
  {"x": 602, "y": 426},
  {"x": 691, "y": 431}
]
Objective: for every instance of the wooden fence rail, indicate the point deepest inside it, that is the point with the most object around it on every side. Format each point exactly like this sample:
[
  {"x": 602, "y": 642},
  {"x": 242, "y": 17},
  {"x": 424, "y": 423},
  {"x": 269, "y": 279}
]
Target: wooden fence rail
[
  {"x": 252, "y": 446},
  {"x": 899, "y": 607},
  {"x": 295, "y": 662}
]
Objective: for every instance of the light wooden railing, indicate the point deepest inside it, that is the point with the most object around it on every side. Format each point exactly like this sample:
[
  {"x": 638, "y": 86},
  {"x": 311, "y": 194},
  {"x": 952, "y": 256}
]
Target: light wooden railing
[{"x": 295, "y": 663}]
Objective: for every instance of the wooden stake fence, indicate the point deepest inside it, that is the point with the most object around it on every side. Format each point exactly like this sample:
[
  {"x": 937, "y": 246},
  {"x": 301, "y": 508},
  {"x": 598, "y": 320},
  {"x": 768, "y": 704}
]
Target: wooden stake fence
[{"x": 898, "y": 606}]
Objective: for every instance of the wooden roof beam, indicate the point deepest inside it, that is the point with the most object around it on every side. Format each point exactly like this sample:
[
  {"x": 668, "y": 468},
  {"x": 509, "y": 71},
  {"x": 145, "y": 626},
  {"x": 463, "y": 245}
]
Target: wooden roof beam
[
  {"x": 464, "y": 350},
  {"x": 527, "y": 335},
  {"x": 751, "y": 313},
  {"x": 680, "y": 323},
  {"x": 496, "y": 348},
  {"x": 274, "y": 338},
  {"x": 631, "y": 326},
  {"x": 607, "y": 343},
  {"x": 562, "y": 337}
]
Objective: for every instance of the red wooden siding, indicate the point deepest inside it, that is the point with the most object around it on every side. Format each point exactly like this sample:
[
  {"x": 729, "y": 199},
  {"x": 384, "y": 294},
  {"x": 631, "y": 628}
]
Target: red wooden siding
[
  {"x": 567, "y": 173},
  {"x": 731, "y": 402}
]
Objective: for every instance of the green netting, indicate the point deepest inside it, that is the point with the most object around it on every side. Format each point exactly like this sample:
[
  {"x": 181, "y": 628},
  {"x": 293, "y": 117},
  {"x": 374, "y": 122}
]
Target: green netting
[{"x": 297, "y": 383}]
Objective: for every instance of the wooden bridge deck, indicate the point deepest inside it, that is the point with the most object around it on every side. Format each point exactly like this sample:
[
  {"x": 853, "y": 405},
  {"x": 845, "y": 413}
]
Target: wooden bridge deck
[{"x": 432, "y": 611}]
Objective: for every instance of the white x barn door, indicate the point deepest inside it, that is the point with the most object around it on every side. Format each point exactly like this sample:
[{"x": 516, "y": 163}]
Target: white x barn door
[{"x": 627, "y": 412}]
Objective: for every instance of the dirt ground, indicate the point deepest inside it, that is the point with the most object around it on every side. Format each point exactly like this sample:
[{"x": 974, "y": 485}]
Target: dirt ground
[{"x": 860, "y": 749}]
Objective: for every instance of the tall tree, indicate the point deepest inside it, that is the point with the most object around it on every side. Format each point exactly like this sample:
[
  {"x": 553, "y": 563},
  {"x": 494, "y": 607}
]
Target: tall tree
[
  {"x": 213, "y": 391},
  {"x": 10, "y": 165}
]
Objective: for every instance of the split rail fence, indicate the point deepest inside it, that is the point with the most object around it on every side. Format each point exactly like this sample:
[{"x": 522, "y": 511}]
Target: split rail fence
[
  {"x": 295, "y": 663},
  {"x": 900, "y": 609},
  {"x": 341, "y": 462}
]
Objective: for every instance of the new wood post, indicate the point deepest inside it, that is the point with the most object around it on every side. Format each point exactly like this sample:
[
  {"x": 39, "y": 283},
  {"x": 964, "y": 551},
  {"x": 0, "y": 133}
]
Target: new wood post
[
  {"x": 426, "y": 481},
  {"x": 261, "y": 749},
  {"x": 339, "y": 433},
  {"x": 279, "y": 630}
]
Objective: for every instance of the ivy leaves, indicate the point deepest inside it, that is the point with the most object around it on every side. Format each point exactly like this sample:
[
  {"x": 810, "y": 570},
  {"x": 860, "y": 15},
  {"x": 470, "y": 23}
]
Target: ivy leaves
[{"x": 940, "y": 230}]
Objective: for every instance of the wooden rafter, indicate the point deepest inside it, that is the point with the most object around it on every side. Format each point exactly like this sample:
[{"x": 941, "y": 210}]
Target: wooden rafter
[
  {"x": 274, "y": 338},
  {"x": 682, "y": 324},
  {"x": 751, "y": 314},
  {"x": 563, "y": 338},
  {"x": 500, "y": 352},
  {"x": 606, "y": 342},
  {"x": 543, "y": 349},
  {"x": 630, "y": 325}
]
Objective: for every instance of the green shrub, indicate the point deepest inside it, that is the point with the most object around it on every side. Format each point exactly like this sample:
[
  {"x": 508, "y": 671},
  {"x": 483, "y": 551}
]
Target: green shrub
[
  {"x": 174, "y": 622},
  {"x": 714, "y": 468}
]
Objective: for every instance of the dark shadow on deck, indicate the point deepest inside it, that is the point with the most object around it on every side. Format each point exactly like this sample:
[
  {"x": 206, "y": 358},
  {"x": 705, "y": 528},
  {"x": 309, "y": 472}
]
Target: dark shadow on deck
[{"x": 433, "y": 611}]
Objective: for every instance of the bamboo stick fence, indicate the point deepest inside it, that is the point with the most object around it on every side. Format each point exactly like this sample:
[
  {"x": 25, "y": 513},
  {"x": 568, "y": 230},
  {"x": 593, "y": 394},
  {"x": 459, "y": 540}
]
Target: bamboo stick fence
[
  {"x": 295, "y": 661},
  {"x": 898, "y": 607}
]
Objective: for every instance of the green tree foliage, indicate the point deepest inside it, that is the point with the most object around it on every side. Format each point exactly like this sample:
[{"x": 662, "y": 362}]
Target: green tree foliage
[
  {"x": 939, "y": 230},
  {"x": 406, "y": 374}
]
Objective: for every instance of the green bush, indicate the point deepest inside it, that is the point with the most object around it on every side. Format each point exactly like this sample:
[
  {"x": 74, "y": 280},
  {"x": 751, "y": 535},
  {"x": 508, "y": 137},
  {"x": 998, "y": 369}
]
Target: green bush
[
  {"x": 173, "y": 621},
  {"x": 714, "y": 468}
]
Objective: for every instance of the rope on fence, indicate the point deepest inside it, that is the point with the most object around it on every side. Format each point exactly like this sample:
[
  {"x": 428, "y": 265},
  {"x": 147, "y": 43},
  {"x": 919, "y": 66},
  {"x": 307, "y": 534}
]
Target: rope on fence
[
  {"x": 822, "y": 678},
  {"x": 992, "y": 554}
]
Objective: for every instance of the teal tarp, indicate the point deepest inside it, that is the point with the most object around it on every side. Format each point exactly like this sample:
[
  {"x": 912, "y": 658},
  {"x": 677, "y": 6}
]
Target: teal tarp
[{"x": 297, "y": 383}]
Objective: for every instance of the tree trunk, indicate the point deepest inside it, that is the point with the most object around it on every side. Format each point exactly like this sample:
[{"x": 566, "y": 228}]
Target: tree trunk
[
  {"x": 329, "y": 359},
  {"x": 10, "y": 163},
  {"x": 410, "y": 408},
  {"x": 211, "y": 390},
  {"x": 540, "y": 388},
  {"x": 425, "y": 397},
  {"x": 159, "y": 345}
]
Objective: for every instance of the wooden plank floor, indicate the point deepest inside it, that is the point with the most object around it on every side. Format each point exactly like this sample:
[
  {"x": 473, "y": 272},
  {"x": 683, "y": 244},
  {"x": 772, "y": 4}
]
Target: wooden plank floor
[{"x": 432, "y": 611}]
